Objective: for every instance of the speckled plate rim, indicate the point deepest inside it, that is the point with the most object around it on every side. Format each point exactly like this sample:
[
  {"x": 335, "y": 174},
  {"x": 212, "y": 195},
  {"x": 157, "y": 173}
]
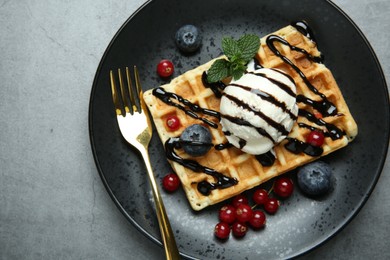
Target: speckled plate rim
[{"x": 157, "y": 239}]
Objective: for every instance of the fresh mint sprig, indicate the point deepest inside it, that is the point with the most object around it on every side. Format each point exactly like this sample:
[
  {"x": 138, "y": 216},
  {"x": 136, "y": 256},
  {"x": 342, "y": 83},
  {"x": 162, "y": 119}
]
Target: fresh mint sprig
[{"x": 238, "y": 53}]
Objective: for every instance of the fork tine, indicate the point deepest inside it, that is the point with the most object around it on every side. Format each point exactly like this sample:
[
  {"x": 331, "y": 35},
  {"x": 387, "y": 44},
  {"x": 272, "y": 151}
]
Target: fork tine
[
  {"x": 123, "y": 92},
  {"x": 130, "y": 89},
  {"x": 138, "y": 86},
  {"x": 115, "y": 97}
]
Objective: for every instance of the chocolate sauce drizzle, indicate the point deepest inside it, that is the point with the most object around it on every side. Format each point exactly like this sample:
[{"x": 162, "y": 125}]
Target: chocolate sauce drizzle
[
  {"x": 266, "y": 159},
  {"x": 296, "y": 146},
  {"x": 265, "y": 96},
  {"x": 333, "y": 131},
  {"x": 260, "y": 114},
  {"x": 216, "y": 87},
  {"x": 281, "y": 85},
  {"x": 204, "y": 187},
  {"x": 185, "y": 105},
  {"x": 304, "y": 29},
  {"x": 222, "y": 146},
  {"x": 325, "y": 107},
  {"x": 271, "y": 99}
]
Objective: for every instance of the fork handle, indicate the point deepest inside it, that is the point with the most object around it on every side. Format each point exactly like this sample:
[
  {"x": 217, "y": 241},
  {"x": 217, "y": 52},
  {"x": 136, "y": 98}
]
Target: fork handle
[{"x": 171, "y": 250}]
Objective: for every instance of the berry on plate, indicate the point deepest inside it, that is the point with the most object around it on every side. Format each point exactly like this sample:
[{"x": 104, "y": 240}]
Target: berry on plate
[
  {"x": 188, "y": 38},
  {"x": 227, "y": 214},
  {"x": 171, "y": 182},
  {"x": 244, "y": 213},
  {"x": 222, "y": 230},
  {"x": 165, "y": 68},
  {"x": 239, "y": 229},
  {"x": 315, "y": 178},
  {"x": 258, "y": 219},
  {"x": 260, "y": 196},
  {"x": 196, "y": 140},
  {"x": 283, "y": 187},
  {"x": 271, "y": 205},
  {"x": 239, "y": 199}
]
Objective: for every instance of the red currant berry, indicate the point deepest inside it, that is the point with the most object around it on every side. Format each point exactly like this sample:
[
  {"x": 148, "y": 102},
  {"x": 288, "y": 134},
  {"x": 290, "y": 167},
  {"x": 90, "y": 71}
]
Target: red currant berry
[
  {"x": 222, "y": 230},
  {"x": 227, "y": 214},
  {"x": 258, "y": 220},
  {"x": 238, "y": 200},
  {"x": 271, "y": 206},
  {"x": 260, "y": 196},
  {"x": 283, "y": 187},
  {"x": 173, "y": 122},
  {"x": 165, "y": 68},
  {"x": 171, "y": 182},
  {"x": 315, "y": 138},
  {"x": 239, "y": 229},
  {"x": 244, "y": 213}
]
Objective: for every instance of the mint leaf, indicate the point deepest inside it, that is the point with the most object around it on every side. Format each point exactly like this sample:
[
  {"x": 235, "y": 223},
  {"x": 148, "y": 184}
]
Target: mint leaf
[
  {"x": 218, "y": 71},
  {"x": 230, "y": 47},
  {"x": 237, "y": 70},
  {"x": 249, "y": 45},
  {"x": 236, "y": 74},
  {"x": 238, "y": 54}
]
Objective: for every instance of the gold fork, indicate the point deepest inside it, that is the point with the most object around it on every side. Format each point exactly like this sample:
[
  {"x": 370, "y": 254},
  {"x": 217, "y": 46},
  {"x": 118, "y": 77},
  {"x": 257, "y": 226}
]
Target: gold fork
[{"x": 135, "y": 126}]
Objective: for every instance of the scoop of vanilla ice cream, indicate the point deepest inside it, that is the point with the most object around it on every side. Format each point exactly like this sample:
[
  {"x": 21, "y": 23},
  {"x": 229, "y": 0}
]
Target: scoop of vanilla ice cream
[{"x": 258, "y": 110}]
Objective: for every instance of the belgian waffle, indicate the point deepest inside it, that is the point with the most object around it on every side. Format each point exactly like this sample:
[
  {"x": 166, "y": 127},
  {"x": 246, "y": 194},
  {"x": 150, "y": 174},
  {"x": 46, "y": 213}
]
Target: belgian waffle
[{"x": 232, "y": 162}]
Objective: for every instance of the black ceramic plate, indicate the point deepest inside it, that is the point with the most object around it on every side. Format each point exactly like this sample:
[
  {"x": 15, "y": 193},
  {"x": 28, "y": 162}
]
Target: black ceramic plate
[{"x": 301, "y": 224}]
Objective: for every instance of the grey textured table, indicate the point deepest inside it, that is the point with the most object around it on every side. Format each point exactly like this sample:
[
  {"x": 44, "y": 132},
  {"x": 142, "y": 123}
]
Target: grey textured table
[{"x": 53, "y": 204}]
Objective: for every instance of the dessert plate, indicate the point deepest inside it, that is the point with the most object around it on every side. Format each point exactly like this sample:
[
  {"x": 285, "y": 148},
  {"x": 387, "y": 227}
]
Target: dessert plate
[{"x": 301, "y": 224}]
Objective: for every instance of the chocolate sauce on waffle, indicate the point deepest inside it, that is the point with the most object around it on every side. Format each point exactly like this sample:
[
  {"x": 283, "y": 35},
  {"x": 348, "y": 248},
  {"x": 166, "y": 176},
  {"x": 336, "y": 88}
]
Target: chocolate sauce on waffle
[
  {"x": 204, "y": 187},
  {"x": 266, "y": 159},
  {"x": 222, "y": 146},
  {"x": 325, "y": 107},
  {"x": 333, "y": 131},
  {"x": 185, "y": 105},
  {"x": 296, "y": 146},
  {"x": 216, "y": 87},
  {"x": 304, "y": 29}
]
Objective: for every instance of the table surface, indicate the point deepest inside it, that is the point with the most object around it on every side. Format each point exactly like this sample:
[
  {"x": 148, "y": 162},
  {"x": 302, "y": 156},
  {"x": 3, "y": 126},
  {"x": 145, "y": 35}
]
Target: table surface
[{"x": 53, "y": 204}]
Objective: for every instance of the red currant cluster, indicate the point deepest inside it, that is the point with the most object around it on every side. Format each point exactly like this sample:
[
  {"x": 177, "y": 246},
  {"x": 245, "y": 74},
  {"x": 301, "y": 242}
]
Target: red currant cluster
[{"x": 237, "y": 216}]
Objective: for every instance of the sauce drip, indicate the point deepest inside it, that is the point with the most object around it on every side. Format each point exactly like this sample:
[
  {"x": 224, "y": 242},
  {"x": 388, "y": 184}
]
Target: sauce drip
[
  {"x": 204, "y": 187},
  {"x": 240, "y": 121},
  {"x": 222, "y": 146},
  {"x": 304, "y": 29},
  {"x": 325, "y": 107},
  {"x": 216, "y": 87},
  {"x": 296, "y": 146},
  {"x": 185, "y": 105},
  {"x": 271, "y": 99},
  {"x": 266, "y": 159},
  {"x": 333, "y": 131},
  {"x": 281, "y": 85}
]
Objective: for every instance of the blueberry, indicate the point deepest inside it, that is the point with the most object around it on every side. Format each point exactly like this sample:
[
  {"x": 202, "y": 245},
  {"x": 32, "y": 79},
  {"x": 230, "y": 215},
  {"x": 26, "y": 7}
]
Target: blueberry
[
  {"x": 188, "y": 38},
  {"x": 315, "y": 178},
  {"x": 196, "y": 140}
]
